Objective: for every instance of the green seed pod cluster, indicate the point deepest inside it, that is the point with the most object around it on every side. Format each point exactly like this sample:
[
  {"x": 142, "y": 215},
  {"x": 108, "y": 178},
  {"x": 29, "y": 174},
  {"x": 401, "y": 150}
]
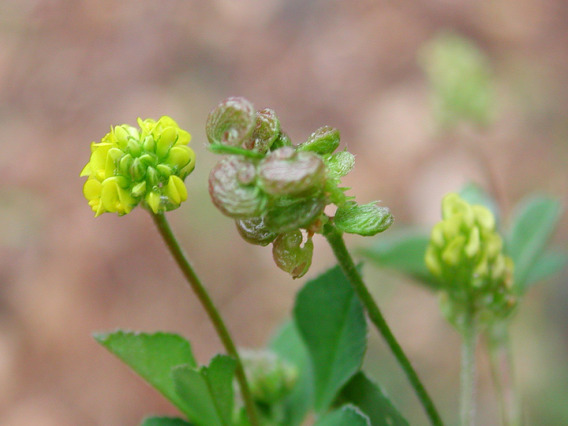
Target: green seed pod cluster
[
  {"x": 466, "y": 255},
  {"x": 277, "y": 191}
]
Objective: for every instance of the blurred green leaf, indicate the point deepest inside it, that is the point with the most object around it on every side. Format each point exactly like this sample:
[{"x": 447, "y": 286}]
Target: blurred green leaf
[
  {"x": 207, "y": 391},
  {"x": 288, "y": 344},
  {"x": 152, "y": 356},
  {"x": 332, "y": 323},
  {"x": 345, "y": 416},
  {"x": 475, "y": 194},
  {"x": 546, "y": 265},
  {"x": 403, "y": 251},
  {"x": 164, "y": 421},
  {"x": 369, "y": 398},
  {"x": 532, "y": 225}
]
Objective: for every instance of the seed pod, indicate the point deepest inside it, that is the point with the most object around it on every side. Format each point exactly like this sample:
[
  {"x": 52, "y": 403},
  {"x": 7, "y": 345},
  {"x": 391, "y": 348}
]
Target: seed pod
[
  {"x": 323, "y": 141},
  {"x": 366, "y": 220},
  {"x": 286, "y": 172},
  {"x": 290, "y": 256},
  {"x": 231, "y": 122},
  {"x": 232, "y": 190},
  {"x": 289, "y": 214},
  {"x": 266, "y": 131},
  {"x": 282, "y": 140},
  {"x": 255, "y": 231}
]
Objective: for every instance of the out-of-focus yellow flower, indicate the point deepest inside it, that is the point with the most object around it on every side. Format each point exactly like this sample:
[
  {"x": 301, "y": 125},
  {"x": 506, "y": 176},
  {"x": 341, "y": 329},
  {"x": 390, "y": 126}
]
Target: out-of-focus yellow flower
[
  {"x": 466, "y": 255},
  {"x": 144, "y": 165}
]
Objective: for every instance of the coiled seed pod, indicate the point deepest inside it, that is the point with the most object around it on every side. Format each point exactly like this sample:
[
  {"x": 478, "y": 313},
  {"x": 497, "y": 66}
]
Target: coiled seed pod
[
  {"x": 231, "y": 122},
  {"x": 233, "y": 190}
]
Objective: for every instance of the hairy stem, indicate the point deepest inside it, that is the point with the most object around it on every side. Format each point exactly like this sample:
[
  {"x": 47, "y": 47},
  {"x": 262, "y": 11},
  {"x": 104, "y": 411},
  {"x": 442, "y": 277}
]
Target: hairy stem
[
  {"x": 502, "y": 373},
  {"x": 335, "y": 239},
  {"x": 201, "y": 293},
  {"x": 467, "y": 383}
]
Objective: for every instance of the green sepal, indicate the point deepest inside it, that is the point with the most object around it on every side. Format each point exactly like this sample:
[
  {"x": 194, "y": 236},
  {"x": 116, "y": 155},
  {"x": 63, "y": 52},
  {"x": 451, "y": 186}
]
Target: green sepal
[
  {"x": 367, "y": 220},
  {"x": 323, "y": 141}
]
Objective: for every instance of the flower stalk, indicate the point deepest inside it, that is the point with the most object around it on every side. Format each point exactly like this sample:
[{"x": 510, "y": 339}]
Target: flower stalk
[
  {"x": 195, "y": 283},
  {"x": 335, "y": 240}
]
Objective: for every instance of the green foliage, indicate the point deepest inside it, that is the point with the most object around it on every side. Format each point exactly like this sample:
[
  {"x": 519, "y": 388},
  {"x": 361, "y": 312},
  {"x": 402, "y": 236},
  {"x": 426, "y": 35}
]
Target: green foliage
[
  {"x": 345, "y": 416},
  {"x": 370, "y": 399},
  {"x": 164, "y": 421},
  {"x": 533, "y": 223},
  {"x": 332, "y": 324},
  {"x": 403, "y": 250},
  {"x": 152, "y": 356},
  {"x": 208, "y": 391}
]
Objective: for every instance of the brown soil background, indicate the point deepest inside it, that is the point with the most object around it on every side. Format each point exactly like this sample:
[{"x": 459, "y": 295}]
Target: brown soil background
[{"x": 69, "y": 69}]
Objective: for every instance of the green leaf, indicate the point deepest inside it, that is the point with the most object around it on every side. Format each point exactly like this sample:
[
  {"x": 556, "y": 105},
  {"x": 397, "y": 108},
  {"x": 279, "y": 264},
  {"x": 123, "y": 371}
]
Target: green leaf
[
  {"x": 207, "y": 391},
  {"x": 345, "y": 416},
  {"x": 164, "y": 421},
  {"x": 403, "y": 251},
  {"x": 152, "y": 356},
  {"x": 288, "y": 345},
  {"x": 369, "y": 398},
  {"x": 546, "y": 265},
  {"x": 332, "y": 324},
  {"x": 533, "y": 223}
]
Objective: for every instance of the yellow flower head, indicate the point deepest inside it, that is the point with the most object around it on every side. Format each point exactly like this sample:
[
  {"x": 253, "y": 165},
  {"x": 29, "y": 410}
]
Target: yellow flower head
[
  {"x": 139, "y": 165},
  {"x": 466, "y": 255}
]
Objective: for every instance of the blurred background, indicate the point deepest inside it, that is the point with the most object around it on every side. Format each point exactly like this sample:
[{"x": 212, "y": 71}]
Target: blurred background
[{"x": 69, "y": 69}]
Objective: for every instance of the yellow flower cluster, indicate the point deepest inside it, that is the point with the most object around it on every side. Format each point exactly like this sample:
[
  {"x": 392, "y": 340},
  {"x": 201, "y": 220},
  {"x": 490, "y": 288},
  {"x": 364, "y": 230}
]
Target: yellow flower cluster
[
  {"x": 144, "y": 165},
  {"x": 466, "y": 255}
]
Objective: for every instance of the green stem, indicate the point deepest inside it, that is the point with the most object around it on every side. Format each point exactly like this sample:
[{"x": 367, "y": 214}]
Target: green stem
[
  {"x": 467, "y": 384},
  {"x": 335, "y": 239},
  {"x": 201, "y": 293},
  {"x": 501, "y": 363}
]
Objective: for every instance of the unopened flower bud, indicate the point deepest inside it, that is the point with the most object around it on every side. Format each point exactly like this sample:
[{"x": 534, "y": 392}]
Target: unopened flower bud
[
  {"x": 465, "y": 254},
  {"x": 366, "y": 220},
  {"x": 232, "y": 190},
  {"x": 323, "y": 141},
  {"x": 270, "y": 378},
  {"x": 287, "y": 172},
  {"x": 289, "y": 254},
  {"x": 231, "y": 122}
]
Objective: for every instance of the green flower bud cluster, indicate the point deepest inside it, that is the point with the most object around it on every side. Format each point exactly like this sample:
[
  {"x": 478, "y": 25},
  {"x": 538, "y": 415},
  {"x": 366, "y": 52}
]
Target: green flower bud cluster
[
  {"x": 274, "y": 189},
  {"x": 139, "y": 165},
  {"x": 460, "y": 76},
  {"x": 271, "y": 379},
  {"x": 466, "y": 255}
]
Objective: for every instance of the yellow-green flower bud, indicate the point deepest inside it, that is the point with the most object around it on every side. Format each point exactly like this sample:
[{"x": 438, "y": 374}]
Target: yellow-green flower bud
[
  {"x": 131, "y": 165},
  {"x": 466, "y": 255}
]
